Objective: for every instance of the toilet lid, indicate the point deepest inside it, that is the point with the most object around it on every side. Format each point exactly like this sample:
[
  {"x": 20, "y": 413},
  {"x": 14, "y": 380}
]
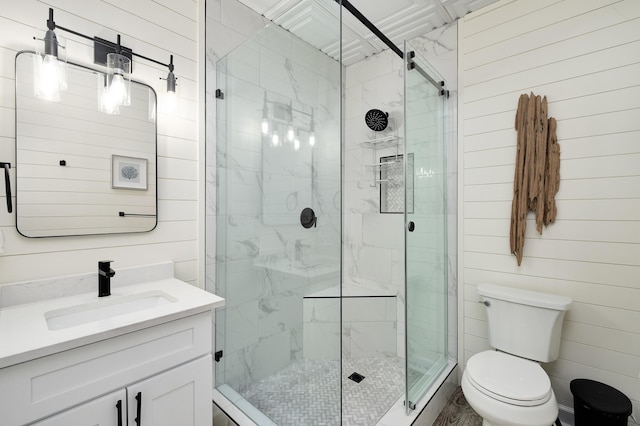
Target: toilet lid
[{"x": 509, "y": 379}]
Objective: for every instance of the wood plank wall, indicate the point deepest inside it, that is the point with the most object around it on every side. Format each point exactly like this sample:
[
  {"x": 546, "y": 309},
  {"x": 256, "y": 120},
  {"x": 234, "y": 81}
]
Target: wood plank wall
[
  {"x": 156, "y": 29},
  {"x": 584, "y": 55}
]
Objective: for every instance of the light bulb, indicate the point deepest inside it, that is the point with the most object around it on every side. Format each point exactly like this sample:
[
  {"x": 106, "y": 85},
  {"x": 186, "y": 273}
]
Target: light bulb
[
  {"x": 48, "y": 79},
  {"x": 171, "y": 102},
  {"x": 312, "y": 139},
  {"x": 265, "y": 126},
  {"x": 275, "y": 140},
  {"x": 118, "y": 90},
  {"x": 296, "y": 144},
  {"x": 290, "y": 134},
  {"x": 108, "y": 103},
  {"x": 119, "y": 67}
]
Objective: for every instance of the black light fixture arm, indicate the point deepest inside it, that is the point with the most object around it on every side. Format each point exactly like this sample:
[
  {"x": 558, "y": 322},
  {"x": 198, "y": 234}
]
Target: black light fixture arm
[
  {"x": 51, "y": 25},
  {"x": 115, "y": 47},
  {"x": 169, "y": 65},
  {"x": 289, "y": 107}
]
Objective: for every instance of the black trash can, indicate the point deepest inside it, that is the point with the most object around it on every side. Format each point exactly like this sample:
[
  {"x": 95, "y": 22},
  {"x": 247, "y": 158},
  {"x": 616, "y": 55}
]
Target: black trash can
[{"x": 597, "y": 404}]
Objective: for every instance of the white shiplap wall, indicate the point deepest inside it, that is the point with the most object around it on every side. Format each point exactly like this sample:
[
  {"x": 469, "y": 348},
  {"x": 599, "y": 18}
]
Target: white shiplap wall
[
  {"x": 584, "y": 55},
  {"x": 154, "y": 28}
]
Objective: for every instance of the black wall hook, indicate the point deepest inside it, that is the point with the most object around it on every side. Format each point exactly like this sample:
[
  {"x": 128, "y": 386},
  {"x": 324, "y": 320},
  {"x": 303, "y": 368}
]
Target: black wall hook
[{"x": 7, "y": 185}]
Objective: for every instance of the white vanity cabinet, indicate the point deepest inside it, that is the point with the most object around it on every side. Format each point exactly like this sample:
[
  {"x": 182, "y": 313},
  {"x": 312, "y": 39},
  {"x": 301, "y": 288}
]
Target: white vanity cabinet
[
  {"x": 180, "y": 396},
  {"x": 168, "y": 365},
  {"x": 108, "y": 410}
]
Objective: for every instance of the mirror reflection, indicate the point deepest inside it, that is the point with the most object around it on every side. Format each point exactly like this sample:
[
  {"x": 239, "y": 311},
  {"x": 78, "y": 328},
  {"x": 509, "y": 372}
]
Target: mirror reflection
[
  {"x": 288, "y": 138},
  {"x": 81, "y": 171}
]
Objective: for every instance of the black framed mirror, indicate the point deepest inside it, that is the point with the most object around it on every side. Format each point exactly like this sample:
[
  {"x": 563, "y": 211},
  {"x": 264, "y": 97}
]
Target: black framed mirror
[{"x": 80, "y": 171}]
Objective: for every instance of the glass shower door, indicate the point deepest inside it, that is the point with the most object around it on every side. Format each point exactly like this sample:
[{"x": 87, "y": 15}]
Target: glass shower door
[
  {"x": 425, "y": 226},
  {"x": 277, "y": 259}
]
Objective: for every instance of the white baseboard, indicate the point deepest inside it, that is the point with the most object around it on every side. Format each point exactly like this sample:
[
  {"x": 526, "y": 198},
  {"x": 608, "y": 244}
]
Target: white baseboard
[{"x": 566, "y": 415}]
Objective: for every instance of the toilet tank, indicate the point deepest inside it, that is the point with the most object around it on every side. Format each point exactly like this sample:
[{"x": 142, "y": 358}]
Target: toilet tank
[{"x": 524, "y": 323}]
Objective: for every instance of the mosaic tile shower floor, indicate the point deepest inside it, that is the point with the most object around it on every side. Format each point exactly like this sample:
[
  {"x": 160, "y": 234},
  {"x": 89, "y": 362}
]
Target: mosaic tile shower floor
[{"x": 307, "y": 392}]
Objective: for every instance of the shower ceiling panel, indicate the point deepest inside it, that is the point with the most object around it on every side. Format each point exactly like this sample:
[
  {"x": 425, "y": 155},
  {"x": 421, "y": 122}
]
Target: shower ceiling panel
[{"x": 315, "y": 21}]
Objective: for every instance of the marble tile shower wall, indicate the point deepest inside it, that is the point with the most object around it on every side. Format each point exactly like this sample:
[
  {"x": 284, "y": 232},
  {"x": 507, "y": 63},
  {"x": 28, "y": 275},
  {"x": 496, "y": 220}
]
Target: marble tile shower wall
[
  {"x": 373, "y": 252},
  {"x": 268, "y": 258},
  {"x": 373, "y": 247}
]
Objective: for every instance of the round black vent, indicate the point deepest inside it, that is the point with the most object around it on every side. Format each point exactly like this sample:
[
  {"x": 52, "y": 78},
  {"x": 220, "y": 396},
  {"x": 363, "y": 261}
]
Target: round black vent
[{"x": 376, "y": 119}]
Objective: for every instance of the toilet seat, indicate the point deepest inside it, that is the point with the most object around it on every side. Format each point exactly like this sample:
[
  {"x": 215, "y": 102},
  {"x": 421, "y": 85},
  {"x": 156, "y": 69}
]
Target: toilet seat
[{"x": 509, "y": 379}]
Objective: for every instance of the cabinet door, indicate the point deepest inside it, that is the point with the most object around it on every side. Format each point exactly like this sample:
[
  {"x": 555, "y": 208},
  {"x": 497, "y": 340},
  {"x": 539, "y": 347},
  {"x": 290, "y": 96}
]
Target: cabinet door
[
  {"x": 180, "y": 396},
  {"x": 109, "y": 410}
]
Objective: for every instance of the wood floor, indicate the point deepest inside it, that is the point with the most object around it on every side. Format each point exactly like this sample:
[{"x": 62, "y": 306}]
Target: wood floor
[{"x": 457, "y": 412}]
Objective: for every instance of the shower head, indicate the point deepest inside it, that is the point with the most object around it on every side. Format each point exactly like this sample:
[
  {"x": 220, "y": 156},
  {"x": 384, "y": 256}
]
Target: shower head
[{"x": 376, "y": 120}]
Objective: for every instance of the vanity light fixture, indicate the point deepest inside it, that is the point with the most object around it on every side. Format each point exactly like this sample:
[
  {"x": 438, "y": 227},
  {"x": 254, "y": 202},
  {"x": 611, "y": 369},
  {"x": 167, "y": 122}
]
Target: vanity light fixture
[
  {"x": 312, "y": 136},
  {"x": 296, "y": 143},
  {"x": 291, "y": 133},
  {"x": 49, "y": 73},
  {"x": 117, "y": 59},
  {"x": 264, "y": 124},
  {"x": 275, "y": 139},
  {"x": 118, "y": 91},
  {"x": 171, "y": 78},
  {"x": 280, "y": 119}
]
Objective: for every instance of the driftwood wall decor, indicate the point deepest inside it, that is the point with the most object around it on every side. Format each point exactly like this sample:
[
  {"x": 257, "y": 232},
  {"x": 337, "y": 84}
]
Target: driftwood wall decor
[{"x": 537, "y": 176}]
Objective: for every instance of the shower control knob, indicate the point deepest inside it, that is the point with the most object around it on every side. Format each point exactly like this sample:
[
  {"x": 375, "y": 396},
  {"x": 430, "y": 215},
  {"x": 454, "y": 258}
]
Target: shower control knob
[{"x": 411, "y": 226}]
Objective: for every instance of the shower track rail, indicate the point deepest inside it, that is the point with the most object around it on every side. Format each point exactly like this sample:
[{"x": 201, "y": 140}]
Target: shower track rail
[{"x": 412, "y": 65}]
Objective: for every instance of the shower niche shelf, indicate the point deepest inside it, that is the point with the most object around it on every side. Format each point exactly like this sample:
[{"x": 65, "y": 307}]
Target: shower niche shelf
[
  {"x": 381, "y": 162},
  {"x": 378, "y": 169},
  {"x": 381, "y": 142}
]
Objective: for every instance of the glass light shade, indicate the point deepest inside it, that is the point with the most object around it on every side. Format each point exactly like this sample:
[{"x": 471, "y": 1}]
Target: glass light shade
[
  {"x": 106, "y": 101},
  {"x": 264, "y": 126},
  {"x": 296, "y": 144},
  {"x": 50, "y": 71},
  {"x": 275, "y": 140},
  {"x": 290, "y": 134},
  {"x": 119, "y": 78},
  {"x": 171, "y": 102},
  {"x": 312, "y": 139}
]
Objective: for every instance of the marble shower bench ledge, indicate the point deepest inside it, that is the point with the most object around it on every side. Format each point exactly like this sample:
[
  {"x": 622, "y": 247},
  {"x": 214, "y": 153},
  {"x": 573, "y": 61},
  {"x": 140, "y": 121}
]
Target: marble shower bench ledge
[
  {"x": 313, "y": 272},
  {"x": 369, "y": 323},
  {"x": 350, "y": 291}
]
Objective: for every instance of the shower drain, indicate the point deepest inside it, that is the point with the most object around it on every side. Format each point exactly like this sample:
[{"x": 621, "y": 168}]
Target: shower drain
[{"x": 356, "y": 377}]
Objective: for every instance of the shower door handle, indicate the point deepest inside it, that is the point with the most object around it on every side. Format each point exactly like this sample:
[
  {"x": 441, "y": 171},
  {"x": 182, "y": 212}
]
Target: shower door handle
[{"x": 411, "y": 226}]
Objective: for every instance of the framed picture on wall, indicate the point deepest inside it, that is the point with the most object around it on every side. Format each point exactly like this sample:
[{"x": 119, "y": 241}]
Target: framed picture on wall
[{"x": 128, "y": 172}]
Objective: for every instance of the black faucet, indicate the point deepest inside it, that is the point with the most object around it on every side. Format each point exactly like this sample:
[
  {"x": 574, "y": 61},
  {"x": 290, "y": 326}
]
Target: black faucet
[{"x": 104, "y": 277}]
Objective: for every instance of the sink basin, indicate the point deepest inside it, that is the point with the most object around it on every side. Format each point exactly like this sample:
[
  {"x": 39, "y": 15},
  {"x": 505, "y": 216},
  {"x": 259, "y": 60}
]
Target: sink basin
[{"x": 105, "y": 308}]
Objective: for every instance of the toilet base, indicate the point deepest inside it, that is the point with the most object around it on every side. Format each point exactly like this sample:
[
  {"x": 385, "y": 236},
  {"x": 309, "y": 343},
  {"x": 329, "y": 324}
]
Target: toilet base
[
  {"x": 487, "y": 423},
  {"x": 501, "y": 414}
]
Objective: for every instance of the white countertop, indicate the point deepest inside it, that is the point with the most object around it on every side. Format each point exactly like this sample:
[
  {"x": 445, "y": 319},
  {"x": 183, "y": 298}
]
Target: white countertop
[{"x": 24, "y": 334}]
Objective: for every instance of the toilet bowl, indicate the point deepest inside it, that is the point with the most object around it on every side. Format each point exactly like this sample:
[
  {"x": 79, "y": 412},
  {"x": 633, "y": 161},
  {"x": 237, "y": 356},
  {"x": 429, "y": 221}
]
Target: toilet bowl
[
  {"x": 509, "y": 391},
  {"x": 507, "y": 386}
]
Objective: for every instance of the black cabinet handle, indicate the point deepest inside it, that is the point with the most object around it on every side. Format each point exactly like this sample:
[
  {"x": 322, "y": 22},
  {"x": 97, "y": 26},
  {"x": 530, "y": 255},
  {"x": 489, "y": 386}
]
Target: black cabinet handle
[
  {"x": 119, "y": 408},
  {"x": 411, "y": 226},
  {"x": 139, "y": 409},
  {"x": 7, "y": 185}
]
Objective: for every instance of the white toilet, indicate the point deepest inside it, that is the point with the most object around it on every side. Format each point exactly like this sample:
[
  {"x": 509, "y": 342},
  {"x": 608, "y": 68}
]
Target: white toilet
[{"x": 507, "y": 386}]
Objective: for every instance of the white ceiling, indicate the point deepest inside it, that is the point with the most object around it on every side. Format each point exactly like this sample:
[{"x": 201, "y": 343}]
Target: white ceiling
[{"x": 316, "y": 21}]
